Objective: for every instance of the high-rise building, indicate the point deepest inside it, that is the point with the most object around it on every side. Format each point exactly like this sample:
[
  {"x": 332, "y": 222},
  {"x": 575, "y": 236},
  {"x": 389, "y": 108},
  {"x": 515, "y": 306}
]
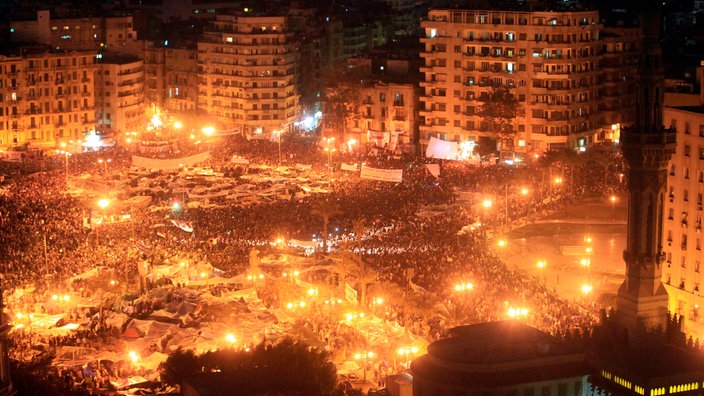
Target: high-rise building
[
  {"x": 546, "y": 60},
  {"x": 115, "y": 34},
  {"x": 47, "y": 97},
  {"x": 248, "y": 67},
  {"x": 120, "y": 94},
  {"x": 684, "y": 210}
]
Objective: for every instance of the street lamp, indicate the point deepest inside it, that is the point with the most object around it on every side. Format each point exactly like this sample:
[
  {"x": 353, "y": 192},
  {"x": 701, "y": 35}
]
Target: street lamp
[
  {"x": 365, "y": 357},
  {"x": 278, "y": 139},
  {"x": 66, "y": 154},
  {"x": 613, "y": 202}
]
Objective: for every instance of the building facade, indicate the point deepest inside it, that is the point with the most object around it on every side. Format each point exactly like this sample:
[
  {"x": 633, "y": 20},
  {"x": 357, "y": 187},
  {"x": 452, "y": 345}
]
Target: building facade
[
  {"x": 248, "y": 68},
  {"x": 682, "y": 234},
  {"x": 47, "y": 97},
  {"x": 116, "y": 34},
  {"x": 547, "y": 60},
  {"x": 120, "y": 94}
]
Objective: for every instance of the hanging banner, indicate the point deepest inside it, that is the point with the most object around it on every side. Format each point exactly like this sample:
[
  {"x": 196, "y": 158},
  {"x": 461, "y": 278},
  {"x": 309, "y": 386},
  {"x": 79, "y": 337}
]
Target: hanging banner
[
  {"x": 350, "y": 293},
  {"x": 434, "y": 169},
  {"x": 389, "y": 175},
  {"x": 349, "y": 167},
  {"x": 168, "y": 164},
  {"x": 441, "y": 149},
  {"x": 380, "y": 139}
]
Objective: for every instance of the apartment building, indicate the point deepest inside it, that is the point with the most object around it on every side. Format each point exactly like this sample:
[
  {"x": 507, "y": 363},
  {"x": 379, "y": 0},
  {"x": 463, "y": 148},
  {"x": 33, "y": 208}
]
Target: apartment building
[
  {"x": 684, "y": 209},
  {"x": 120, "y": 94},
  {"x": 114, "y": 34},
  {"x": 617, "y": 89},
  {"x": 547, "y": 60},
  {"x": 248, "y": 69},
  {"x": 171, "y": 77},
  {"x": 46, "y": 97}
]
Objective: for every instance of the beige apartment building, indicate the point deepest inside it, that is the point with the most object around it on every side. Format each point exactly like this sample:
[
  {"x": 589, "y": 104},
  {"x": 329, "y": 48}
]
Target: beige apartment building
[
  {"x": 115, "y": 34},
  {"x": 547, "y": 60},
  {"x": 120, "y": 94},
  {"x": 46, "y": 97},
  {"x": 684, "y": 209},
  {"x": 248, "y": 69},
  {"x": 171, "y": 78}
]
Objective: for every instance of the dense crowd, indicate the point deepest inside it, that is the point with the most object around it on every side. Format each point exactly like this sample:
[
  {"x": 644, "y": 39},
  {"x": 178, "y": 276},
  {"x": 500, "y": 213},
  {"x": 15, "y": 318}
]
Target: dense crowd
[{"x": 43, "y": 240}]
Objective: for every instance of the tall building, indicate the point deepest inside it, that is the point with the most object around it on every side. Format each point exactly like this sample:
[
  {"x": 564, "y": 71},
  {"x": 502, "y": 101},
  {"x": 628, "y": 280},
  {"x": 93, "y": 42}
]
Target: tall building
[
  {"x": 248, "y": 67},
  {"x": 684, "y": 209},
  {"x": 171, "y": 77},
  {"x": 120, "y": 94},
  {"x": 115, "y": 34},
  {"x": 47, "y": 97},
  {"x": 547, "y": 61}
]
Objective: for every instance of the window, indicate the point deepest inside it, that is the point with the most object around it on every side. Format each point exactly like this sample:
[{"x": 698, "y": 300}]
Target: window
[
  {"x": 683, "y": 262},
  {"x": 687, "y": 150},
  {"x": 382, "y": 97},
  {"x": 686, "y": 128}
]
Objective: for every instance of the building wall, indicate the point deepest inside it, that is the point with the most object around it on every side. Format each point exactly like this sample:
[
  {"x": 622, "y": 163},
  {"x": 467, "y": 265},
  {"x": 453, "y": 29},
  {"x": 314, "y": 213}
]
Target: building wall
[
  {"x": 247, "y": 67},
  {"x": 386, "y": 108},
  {"x": 113, "y": 33},
  {"x": 548, "y": 60},
  {"x": 682, "y": 233},
  {"x": 46, "y": 98},
  {"x": 120, "y": 96}
]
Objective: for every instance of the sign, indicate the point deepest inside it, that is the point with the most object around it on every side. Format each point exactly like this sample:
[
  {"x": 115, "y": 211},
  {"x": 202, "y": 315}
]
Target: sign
[
  {"x": 349, "y": 167},
  {"x": 389, "y": 175},
  {"x": 441, "y": 149},
  {"x": 350, "y": 293},
  {"x": 434, "y": 169},
  {"x": 168, "y": 164}
]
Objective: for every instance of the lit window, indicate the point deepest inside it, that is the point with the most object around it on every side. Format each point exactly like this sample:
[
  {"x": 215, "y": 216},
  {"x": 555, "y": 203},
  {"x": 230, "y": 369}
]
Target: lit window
[
  {"x": 433, "y": 33},
  {"x": 521, "y": 143},
  {"x": 229, "y": 39},
  {"x": 67, "y": 27}
]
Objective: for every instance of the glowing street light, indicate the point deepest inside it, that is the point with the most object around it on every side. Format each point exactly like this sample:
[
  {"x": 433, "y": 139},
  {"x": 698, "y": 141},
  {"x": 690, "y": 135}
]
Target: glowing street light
[
  {"x": 133, "y": 356},
  {"x": 613, "y": 202},
  {"x": 178, "y": 125},
  {"x": 104, "y": 203},
  {"x": 350, "y": 144},
  {"x": 541, "y": 264},
  {"x": 208, "y": 130},
  {"x": 501, "y": 243},
  {"x": 487, "y": 203},
  {"x": 586, "y": 288},
  {"x": 230, "y": 338},
  {"x": 366, "y": 356},
  {"x": 464, "y": 286},
  {"x": 524, "y": 191}
]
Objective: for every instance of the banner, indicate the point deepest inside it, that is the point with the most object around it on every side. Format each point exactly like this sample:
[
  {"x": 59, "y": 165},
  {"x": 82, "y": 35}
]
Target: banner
[
  {"x": 239, "y": 160},
  {"x": 349, "y": 167},
  {"x": 434, "y": 169},
  {"x": 350, "y": 293},
  {"x": 380, "y": 139},
  {"x": 168, "y": 164},
  {"x": 441, "y": 149},
  {"x": 184, "y": 225},
  {"x": 389, "y": 175}
]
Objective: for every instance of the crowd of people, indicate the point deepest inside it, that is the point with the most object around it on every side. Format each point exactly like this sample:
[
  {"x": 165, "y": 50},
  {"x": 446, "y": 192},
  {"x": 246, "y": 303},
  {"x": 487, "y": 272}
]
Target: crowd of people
[{"x": 44, "y": 241}]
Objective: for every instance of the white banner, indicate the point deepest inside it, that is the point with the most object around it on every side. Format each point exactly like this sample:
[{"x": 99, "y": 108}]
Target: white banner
[
  {"x": 349, "y": 167},
  {"x": 441, "y": 149},
  {"x": 434, "y": 169},
  {"x": 390, "y": 175},
  {"x": 168, "y": 164}
]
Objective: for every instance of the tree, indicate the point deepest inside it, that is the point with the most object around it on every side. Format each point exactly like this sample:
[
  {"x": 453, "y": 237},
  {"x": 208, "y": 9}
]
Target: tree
[
  {"x": 285, "y": 368},
  {"x": 180, "y": 364},
  {"x": 325, "y": 208},
  {"x": 498, "y": 111},
  {"x": 343, "y": 86}
]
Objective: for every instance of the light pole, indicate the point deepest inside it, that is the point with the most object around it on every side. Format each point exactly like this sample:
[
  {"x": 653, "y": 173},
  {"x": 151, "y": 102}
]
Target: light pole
[
  {"x": 330, "y": 150},
  {"x": 65, "y": 152},
  {"x": 613, "y": 202},
  {"x": 278, "y": 138},
  {"x": 365, "y": 356}
]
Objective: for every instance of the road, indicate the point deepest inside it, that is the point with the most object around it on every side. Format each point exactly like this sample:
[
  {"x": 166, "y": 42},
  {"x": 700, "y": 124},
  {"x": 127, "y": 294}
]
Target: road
[{"x": 571, "y": 232}]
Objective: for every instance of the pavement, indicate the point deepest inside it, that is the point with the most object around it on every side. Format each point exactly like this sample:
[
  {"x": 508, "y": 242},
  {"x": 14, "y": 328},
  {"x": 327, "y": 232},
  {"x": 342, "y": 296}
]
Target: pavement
[{"x": 585, "y": 278}]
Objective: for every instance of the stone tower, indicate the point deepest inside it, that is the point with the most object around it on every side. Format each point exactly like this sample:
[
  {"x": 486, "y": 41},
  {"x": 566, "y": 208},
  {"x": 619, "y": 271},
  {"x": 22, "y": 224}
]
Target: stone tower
[{"x": 641, "y": 306}]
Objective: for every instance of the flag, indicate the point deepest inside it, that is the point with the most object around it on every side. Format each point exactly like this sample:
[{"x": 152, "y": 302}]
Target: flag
[
  {"x": 143, "y": 247},
  {"x": 184, "y": 225},
  {"x": 434, "y": 169}
]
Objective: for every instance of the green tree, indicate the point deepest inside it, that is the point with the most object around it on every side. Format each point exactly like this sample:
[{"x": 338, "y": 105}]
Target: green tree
[
  {"x": 343, "y": 87},
  {"x": 180, "y": 364},
  {"x": 325, "y": 207},
  {"x": 285, "y": 368},
  {"x": 498, "y": 112}
]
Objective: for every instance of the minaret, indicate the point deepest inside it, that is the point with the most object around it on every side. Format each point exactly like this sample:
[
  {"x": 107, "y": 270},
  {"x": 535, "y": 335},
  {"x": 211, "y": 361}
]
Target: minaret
[
  {"x": 6, "y": 388},
  {"x": 641, "y": 306}
]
